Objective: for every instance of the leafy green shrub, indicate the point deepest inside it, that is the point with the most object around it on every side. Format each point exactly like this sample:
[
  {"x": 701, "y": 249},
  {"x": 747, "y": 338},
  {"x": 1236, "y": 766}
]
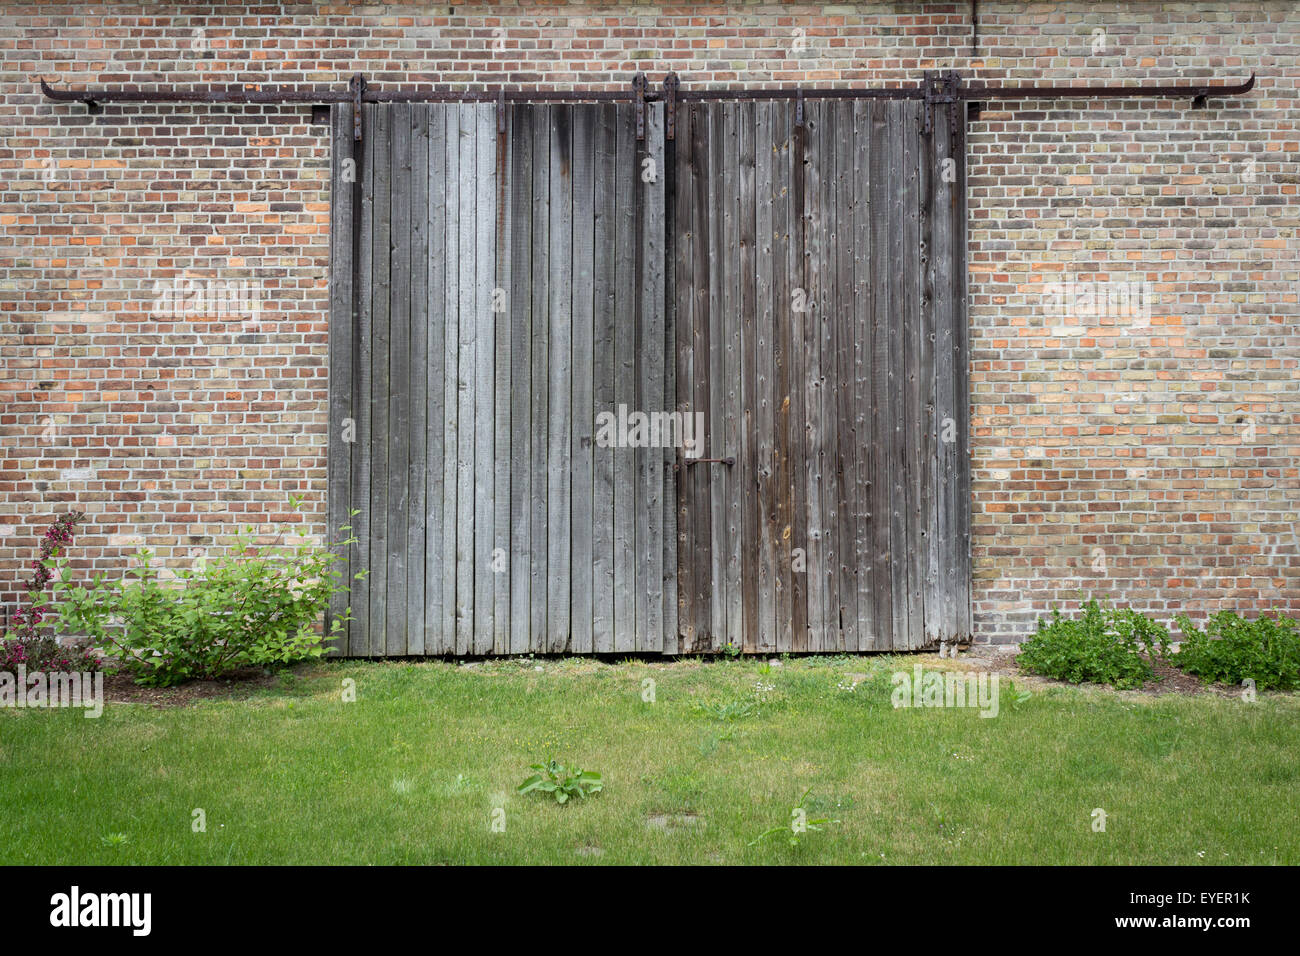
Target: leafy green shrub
[
  {"x": 30, "y": 645},
  {"x": 562, "y": 783},
  {"x": 254, "y": 606},
  {"x": 1101, "y": 646},
  {"x": 1232, "y": 649}
]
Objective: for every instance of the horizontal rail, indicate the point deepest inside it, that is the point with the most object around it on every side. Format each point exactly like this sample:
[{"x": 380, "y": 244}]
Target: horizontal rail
[{"x": 974, "y": 91}]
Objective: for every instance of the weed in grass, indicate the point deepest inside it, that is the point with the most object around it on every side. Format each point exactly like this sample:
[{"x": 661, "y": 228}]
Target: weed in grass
[
  {"x": 561, "y": 782},
  {"x": 115, "y": 839},
  {"x": 728, "y": 710},
  {"x": 798, "y": 827}
]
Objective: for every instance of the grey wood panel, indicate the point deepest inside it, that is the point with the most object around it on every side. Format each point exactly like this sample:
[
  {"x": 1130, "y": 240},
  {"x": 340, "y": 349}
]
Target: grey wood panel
[
  {"x": 342, "y": 423},
  {"x": 502, "y": 289}
]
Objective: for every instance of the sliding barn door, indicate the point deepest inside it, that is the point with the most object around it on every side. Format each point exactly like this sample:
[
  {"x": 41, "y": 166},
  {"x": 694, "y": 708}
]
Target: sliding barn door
[
  {"x": 819, "y": 288},
  {"x": 494, "y": 292}
]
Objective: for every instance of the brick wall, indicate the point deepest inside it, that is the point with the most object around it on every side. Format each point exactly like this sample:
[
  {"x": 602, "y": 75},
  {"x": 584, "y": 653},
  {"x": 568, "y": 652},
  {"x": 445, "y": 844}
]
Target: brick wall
[{"x": 1144, "y": 447}]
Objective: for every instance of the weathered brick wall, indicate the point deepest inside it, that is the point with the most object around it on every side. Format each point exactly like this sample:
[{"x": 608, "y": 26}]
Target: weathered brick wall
[{"x": 1147, "y": 452}]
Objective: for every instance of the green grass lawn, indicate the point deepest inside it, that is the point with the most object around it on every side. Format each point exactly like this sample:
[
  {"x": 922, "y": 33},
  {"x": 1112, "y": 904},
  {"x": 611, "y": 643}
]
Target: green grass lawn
[{"x": 414, "y": 769}]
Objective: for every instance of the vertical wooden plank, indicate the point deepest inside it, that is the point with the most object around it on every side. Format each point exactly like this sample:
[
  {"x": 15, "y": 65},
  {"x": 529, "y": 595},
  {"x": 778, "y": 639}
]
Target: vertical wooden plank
[
  {"x": 703, "y": 565},
  {"x": 399, "y": 376},
  {"x": 729, "y": 479},
  {"x": 625, "y": 364},
  {"x": 754, "y": 568},
  {"x": 520, "y": 215},
  {"x": 652, "y": 363},
  {"x": 417, "y": 357},
  {"x": 846, "y": 446},
  {"x": 467, "y": 528},
  {"x": 883, "y": 169},
  {"x": 814, "y": 373},
  {"x": 685, "y": 239},
  {"x": 362, "y": 456},
  {"x": 540, "y": 375},
  {"x": 716, "y": 446},
  {"x": 944, "y": 384},
  {"x": 793, "y": 212},
  {"x": 438, "y": 622},
  {"x": 502, "y": 452},
  {"x": 910, "y": 374},
  {"x": 488, "y": 551},
  {"x": 862, "y": 294},
  {"x": 927, "y": 457},
  {"x": 342, "y": 326},
  {"x": 771, "y": 384},
  {"x": 827, "y": 328},
  {"x": 670, "y": 457},
  {"x": 455, "y": 601},
  {"x": 559, "y": 428},
  {"x": 604, "y": 224},
  {"x": 898, "y": 540},
  {"x": 961, "y": 382},
  {"x": 380, "y": 387},
  {"x": 581, "y": 395}
]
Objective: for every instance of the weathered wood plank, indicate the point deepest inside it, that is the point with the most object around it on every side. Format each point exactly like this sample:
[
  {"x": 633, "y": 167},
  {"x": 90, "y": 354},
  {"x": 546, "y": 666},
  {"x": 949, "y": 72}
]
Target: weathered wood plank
[
  {"x": 944, "y": 385},
  {"x": 729, "y": 481},
  {"x": 489, "y": 553},
  {"x": 846, "y": 446},
  {"x": 898, "y": 539},
  {"x": 703, "y": 566},
  {"x": 582, "y": 467},
  {"x": 499, "y": 306},
  {"x": 754, "y": 568},
  {"x": 362, "y": 456},
  {"x": 625, "y": 377},
  {"x": 466, "y": 382},
  {"x": 910, "y": 280},
  {"x": 502, "y": 452},
  {"x": 418, "y": 175},
  {"x": 399, "y": 376},
  {"x": 604, "y": 288},
  {"x": 455, "y": 535},
  {"x": 342, "y": 327},
  {"x": 961, "y": 383},
  {"x": 883, "y": 139},
  {"x": 380, "y": 387},
  {"x": 519, "y": 224},
  {"x": 770, "y": 371},
  {"x": 671, "y": 455},
  {"x": 439, "y": 581},
  {"x": 684, "y": 239},
  {"x": 793, "y": 212},
  {"x": 928, "y": 453},
  {"x": 652, "y": 363},
  {"x": 862, "y": 310},
  {"x": 814, "y": 372},
  {"x": 560, "y": 427},
  {"x": 540, "y": 375},
  {"x": 716, "y": 446}
]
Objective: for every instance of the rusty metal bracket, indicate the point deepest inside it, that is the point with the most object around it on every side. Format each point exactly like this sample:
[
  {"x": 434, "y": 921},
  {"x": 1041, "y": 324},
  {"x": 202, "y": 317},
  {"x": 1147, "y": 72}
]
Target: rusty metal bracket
[
  {"x": 671, "y": 86},
  {"x": 501, "y": 111},
  {"x": 638, "y": 86},
  {"x": 940, "y": 88},
  {"x": 358, "y": 87},
  {"x": 798, "y": 108},
  {"x": 711, "y": 461}
]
